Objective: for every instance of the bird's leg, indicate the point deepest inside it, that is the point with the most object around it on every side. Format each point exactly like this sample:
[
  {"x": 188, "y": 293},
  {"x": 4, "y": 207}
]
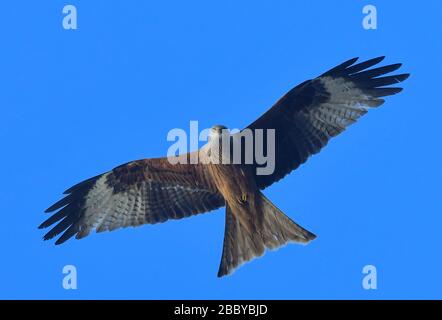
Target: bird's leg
[{"x": 243, "y": 199}]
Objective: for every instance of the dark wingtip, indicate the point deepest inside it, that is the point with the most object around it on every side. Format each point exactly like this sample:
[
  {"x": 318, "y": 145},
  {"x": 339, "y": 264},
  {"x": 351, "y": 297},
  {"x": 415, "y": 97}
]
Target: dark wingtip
[
  {"x": 341, "y": 67},
  {"x": 58, "y": 242},
  {"x": 69, "y": 233},
  {"x": 50, "y": 209},
  {"x": 60, "y": 204},
  {"x": 45, "y": 224},
  {"x": 71, "y": 210},
  {"x": 364, "y": 65},
  {"x": 379, "y": 59},
  {"x": 352, "y": 60},
  {"x": 47, "y": 237},
  {"x": 376, "y": 60},
  {"x": 401, "y": 77},
  {"x": 349, "y": 62},
  {"x": 86, "y": 183}
]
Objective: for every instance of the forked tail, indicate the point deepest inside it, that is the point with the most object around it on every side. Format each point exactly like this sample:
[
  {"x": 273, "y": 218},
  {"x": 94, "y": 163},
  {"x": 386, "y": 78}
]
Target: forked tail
[{"x": 247, "y": 234}]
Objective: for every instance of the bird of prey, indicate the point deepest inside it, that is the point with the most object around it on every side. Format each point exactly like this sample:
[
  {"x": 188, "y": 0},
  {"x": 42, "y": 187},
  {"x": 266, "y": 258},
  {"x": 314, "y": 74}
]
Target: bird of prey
[{"x": 155, "y": 190}]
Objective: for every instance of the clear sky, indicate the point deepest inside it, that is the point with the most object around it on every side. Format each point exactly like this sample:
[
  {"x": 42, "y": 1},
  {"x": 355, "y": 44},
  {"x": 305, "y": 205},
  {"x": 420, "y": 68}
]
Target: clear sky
[{"x": 76, "y": 103}]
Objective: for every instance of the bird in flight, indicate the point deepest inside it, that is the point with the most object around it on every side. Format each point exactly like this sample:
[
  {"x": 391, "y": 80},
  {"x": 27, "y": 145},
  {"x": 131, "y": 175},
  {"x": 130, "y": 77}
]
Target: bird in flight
[{"x": 155, "y": 190}]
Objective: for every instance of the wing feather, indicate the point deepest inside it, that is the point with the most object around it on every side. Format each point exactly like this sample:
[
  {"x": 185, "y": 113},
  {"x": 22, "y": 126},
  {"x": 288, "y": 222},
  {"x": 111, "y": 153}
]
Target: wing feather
[
  {"x": 309, "y": 115},
  {"x": 140, "y": 192}
]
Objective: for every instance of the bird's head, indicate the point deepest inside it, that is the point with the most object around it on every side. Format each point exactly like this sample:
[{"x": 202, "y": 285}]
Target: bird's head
[{"x": 217, "y": 131}]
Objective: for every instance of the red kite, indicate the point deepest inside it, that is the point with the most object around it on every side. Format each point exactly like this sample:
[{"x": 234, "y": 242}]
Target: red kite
[{"x": 149, "y": 191}]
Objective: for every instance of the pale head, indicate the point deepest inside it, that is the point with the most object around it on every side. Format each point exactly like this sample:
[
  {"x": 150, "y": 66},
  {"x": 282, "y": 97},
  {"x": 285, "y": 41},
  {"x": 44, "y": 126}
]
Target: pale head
[{"x": 217, "y": 130}]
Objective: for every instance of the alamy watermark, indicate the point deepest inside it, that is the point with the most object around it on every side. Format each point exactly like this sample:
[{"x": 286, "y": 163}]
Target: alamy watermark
[
  {"x": 370, "y": 280},
  {"x": 70, "y": 19},
  {"x": 224, "y": 146},
  {"x": 370, "y": 20},
  {"x": 70, "y": 279}
]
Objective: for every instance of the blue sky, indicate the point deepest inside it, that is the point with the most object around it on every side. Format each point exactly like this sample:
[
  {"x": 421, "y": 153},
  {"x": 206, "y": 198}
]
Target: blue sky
[{"x": 75, "y": 103}]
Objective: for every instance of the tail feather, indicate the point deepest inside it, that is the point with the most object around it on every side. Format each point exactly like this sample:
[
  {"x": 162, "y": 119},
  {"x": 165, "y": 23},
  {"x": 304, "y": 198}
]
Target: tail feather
[{"x": 245, "y": 240}]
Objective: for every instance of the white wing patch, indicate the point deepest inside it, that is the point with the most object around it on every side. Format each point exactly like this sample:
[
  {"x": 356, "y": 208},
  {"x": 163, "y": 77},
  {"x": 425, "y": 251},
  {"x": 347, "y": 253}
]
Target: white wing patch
[
  {"x": 140, "y": 204},
  {"x": 346, "y": 104}
]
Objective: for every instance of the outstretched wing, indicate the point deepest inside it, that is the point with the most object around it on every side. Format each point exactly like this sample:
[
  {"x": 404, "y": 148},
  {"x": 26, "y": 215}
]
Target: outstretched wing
[
  {"x": 310, "y": 114},
  {"x": 140, "y": 192}
]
